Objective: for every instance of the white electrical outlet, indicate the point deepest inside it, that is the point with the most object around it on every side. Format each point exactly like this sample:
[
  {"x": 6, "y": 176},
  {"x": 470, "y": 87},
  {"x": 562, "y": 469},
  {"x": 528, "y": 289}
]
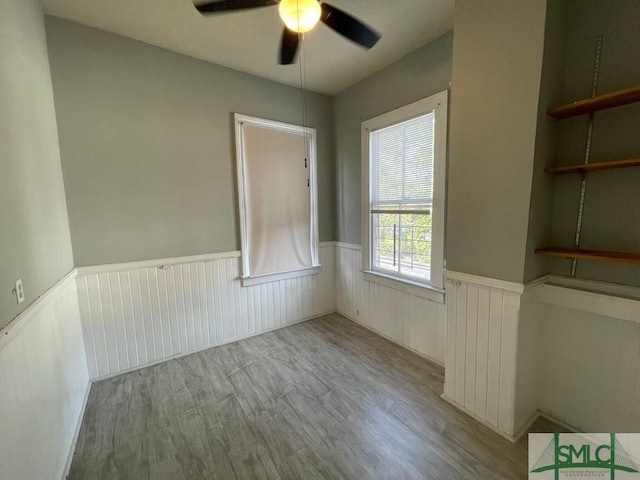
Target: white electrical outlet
[{"x": 19, "y": 291}]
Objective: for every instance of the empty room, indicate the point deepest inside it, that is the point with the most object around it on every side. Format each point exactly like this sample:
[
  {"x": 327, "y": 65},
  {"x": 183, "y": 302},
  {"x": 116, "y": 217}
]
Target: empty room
[{"x": 297, "y": 239}]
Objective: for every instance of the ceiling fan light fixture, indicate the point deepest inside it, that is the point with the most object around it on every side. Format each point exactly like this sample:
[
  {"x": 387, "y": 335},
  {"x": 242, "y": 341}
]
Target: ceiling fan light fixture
[{"x": 300, "y": 15}]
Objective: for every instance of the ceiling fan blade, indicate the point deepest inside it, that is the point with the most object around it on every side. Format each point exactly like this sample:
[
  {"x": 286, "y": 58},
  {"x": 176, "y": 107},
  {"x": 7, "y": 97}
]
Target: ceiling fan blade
[
  {"x": 288, "y": 47},
  {"x": 348, "y": 26},
  {"x": 230, "y": 5}
]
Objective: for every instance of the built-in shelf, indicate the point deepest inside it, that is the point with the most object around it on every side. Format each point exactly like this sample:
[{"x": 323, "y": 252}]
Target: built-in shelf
[
  {"x": 599, "y": 255},
  {"x": 595, "y": 104},
  {"x": 589, "y": 167}
]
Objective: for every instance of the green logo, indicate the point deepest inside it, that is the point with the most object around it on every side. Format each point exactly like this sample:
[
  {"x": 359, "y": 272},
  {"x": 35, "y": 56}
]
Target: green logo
[{"x": 583, "y": 453}]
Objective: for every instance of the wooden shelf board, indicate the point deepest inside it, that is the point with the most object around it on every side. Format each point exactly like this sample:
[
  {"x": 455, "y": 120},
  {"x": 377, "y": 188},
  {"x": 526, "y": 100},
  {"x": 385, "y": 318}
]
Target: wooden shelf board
[
  {"x": 598, "y": 255},
  {"x": 601, "y": 102},
  {"x": 589, "y": 167}
]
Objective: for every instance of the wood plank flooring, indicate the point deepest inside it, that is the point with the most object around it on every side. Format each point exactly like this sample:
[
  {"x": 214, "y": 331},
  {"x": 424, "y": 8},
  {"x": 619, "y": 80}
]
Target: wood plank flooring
[{"x": 324, "y": 399}]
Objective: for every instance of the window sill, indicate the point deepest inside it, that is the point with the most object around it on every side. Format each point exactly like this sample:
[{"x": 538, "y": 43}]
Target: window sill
[
  {"x": 276, "y": 277},
  {"x": 405, "y": 285}
]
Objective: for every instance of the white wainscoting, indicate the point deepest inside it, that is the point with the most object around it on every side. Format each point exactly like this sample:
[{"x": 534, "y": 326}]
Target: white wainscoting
[
  {"x": 482, "y": 326},
  {"x": 43, "y": 385},
  {"x": 589, "y": 354},
  {"x": 135, "y": 315},
  {"x": 412, "y": 321}
]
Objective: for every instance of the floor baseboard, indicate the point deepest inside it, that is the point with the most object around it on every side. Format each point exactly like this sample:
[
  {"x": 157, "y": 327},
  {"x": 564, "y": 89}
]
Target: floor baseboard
[
  {"x": 226, "y": 342},
  {"x": 364, "y": 325},
  {"x": 76, "y": 433},
  {"x": 522, "y": 431},
  {"x": 506, "y": 435},
  {"x": 551, "y": 418}
]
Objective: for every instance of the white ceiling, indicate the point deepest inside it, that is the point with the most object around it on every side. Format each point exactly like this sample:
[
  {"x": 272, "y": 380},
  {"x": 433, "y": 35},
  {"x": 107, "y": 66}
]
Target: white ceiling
[{"x": 249, "y": 40}]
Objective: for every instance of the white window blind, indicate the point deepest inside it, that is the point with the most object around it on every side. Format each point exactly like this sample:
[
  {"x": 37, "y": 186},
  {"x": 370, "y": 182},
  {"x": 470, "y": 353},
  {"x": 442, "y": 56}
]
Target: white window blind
[
  {"x": 401, "y": 196},
  {"x": 402, "y": 165}
]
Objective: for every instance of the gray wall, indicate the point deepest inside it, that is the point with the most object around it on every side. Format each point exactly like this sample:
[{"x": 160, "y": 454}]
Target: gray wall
[
  {"x": 497, "y": 64},
  {"x": 547, "y": 137},
  {"x": 421, "y": 73},
  {"x": 147, "y": 144},
  {"x": 34, "y": 231},
  {"x": 612, "y": 208}
]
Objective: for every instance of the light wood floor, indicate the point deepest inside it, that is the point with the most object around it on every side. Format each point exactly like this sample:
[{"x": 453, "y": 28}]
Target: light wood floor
[{"x": 324, "y": 399}]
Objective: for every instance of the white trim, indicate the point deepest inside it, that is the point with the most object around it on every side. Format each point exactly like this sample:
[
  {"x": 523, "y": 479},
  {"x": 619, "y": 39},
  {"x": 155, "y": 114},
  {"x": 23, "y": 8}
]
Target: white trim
[
  {"x": 560, "y": 423},
  {"x": 76, "y": 433},
  {"x": 601, "y": 298},
  {"x": 349, "y": 246},
  {"x": 536, "y": 416},
  {"x": 535, "y": 283},
  {"x": 405, "y": 285},
  {"x": 604, "y": 288},
  {"x": 439, "y": 188},
  {"x": 242, "y": 194},
  {"x": 159, "y": 262},
  {"x": 241, "y": 166},
  {"x": 313, "y": 193},
  {"x": 486, "y": 281},
  {"x": 16, "y": 325},
  {"x": 521, "y": 431},
  {"x": 365, "y": 186},
  {"x": 601, "y": 304},
  {"x": 439, "y": 103},
  {"x": 275, "y": 277},
  {"x": 594, "y": 286},
  {"x": 481, "y": 420}
]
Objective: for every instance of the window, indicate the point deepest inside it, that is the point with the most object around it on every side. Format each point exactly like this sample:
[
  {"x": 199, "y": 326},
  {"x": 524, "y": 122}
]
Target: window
[
  {"x": 277, "y": 199},
  {"x": 404, "y": 162}
]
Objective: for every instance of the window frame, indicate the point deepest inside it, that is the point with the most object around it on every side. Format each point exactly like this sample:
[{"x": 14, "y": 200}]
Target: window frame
[
  {"x": 437, "y": 103},
  {"x": 241, "y": 166}
]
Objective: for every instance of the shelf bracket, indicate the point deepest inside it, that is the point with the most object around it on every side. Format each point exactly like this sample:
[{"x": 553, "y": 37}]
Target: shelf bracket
[{"x": 587, "y": 154}]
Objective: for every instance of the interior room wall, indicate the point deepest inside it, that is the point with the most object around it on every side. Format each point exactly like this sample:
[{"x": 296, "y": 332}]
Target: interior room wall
[
  {"x": 587, "y": 364},
  {"x": 35, "y": 245},
  {"x": 527, "y": 403},
  {"x": 547, "y": 138},
  {"x": 497, "y": 64},
  {"x": 589, "y": 369},
  {"x": 419, "y": 74},
  {"x": 43, "y": 368},
  {"x": 414, "y": 321},
  {"x": 148, "y": 147},
  {"x": 44, "y": 382},
  {"x": 140, "y": 314},
  {"x": 532, "y": 313},
  {"x": 611, "y": 214},
  {"x": 497, "y": 74}
]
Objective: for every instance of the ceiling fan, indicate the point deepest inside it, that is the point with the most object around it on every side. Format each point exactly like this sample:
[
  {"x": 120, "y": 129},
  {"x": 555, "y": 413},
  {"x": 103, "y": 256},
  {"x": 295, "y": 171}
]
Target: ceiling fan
[{"x": 300, "y": 16}]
